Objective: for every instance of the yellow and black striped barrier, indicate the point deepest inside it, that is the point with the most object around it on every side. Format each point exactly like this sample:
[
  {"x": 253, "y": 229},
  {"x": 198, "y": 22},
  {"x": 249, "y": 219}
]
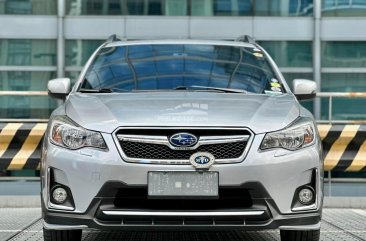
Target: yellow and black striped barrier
[
  {"x": 20, "y": 145},
  {"x": 344, "y": 146}
]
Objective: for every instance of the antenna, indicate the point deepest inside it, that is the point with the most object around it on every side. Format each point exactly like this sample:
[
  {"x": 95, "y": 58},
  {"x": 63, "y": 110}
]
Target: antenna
[
  {"x": 246, "y": 38},
  {"x": 112, "y": 38}
]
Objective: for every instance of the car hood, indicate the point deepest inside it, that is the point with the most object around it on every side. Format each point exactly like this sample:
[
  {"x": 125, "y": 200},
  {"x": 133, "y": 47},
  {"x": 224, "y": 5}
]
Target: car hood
[{"x": 106, "y": 112}]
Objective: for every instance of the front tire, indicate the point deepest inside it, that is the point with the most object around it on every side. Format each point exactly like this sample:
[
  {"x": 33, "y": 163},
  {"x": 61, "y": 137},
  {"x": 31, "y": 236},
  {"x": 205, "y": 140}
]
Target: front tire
[
  {"x": 295, "y": 235},
  {"x": 61, "y": 235}
]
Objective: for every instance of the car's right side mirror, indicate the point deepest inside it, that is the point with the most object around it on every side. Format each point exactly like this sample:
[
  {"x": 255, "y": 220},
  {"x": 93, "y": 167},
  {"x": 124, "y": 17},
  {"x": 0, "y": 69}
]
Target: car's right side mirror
[
  {"x": 59, "y": 88},
  {"x": 304, "y": 89}
]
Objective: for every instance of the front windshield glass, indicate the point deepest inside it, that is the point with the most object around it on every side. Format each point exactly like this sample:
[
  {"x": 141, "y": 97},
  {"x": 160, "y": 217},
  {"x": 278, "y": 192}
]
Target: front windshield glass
[{"x": 171, "y": 66}]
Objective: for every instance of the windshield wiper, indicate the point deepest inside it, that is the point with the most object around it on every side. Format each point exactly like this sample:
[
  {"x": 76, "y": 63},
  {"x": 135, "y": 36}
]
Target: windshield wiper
[
  {"x": 102, "y": 90},
  {"x": 197, "y": 87},
  {"x": 96, "y": 90}
]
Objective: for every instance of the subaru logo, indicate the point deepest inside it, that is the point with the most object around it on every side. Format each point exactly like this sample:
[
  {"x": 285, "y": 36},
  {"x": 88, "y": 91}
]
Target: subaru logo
[
  {"x": 202, "y": 160},
  {"x": 183, "y": 140}
]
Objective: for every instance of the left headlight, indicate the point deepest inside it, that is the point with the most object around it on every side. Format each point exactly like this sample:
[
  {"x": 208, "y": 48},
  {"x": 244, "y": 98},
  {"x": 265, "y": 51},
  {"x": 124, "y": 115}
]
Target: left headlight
[
  {"x": 299, "y": 135},
  {"x": 67, "y": 134}
]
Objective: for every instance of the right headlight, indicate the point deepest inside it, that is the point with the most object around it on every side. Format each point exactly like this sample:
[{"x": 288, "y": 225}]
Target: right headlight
[
  {"x": 67, "y": 134},
  {"x": 299, "y": 135}
]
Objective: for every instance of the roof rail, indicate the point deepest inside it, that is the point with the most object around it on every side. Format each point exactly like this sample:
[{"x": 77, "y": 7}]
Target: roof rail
[
  {"x": 112, "y": 38},
  {"x": 246, "y": 38}
]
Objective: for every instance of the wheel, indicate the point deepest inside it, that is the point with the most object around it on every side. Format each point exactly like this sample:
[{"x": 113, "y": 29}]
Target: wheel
[
  {"x": 295, "y": 235},
  {"x": 61, "y": 235}
]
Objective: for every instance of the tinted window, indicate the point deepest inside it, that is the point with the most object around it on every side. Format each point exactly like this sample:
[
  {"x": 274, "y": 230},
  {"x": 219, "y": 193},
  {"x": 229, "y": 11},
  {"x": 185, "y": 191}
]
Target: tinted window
[
  {"x": 152, "y": 67},
  {"x": 290, "y": 53}
]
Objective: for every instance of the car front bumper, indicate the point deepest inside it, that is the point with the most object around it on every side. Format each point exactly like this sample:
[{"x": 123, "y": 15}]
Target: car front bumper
[{"x": 271, "y": 177}]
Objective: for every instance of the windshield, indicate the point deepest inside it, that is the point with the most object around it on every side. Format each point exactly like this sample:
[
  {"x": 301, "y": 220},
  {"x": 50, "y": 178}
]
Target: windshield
[{"x": 173, "y": 66}]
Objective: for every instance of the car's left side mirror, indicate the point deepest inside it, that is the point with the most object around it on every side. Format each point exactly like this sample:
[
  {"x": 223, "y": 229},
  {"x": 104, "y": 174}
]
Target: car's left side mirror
[
  {"x": 304, "y": 89},
  {"x": 59, "y": 88}
]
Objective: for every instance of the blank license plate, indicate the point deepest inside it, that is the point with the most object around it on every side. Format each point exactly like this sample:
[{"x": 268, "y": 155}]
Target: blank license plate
[{"x": 183, "y": 184}]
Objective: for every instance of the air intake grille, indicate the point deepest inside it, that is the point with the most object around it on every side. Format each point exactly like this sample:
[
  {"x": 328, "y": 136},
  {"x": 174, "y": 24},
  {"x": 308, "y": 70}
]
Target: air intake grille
[
  {"x": 231, "y": 150},
  {"x": 153, "y": 145}
]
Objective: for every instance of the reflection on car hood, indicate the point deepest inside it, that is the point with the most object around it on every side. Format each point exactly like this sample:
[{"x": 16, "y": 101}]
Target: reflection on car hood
[{"x": 106, "y": 112}]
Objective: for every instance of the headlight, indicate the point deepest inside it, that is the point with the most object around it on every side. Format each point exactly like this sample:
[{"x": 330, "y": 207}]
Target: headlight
[
  {"x": 299, "y": 135},
  {"x": 67, "y": 134}
]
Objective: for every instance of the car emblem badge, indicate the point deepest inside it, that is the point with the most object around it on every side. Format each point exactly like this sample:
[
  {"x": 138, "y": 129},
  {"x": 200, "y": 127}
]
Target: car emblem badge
[
  {"x": 183, "y": 140},
  {"x": 202, "y": 160}
]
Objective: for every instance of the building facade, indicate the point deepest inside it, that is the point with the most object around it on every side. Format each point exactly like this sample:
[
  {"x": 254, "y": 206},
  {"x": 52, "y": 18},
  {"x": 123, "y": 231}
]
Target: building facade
[{"x": 321, "y": 40}]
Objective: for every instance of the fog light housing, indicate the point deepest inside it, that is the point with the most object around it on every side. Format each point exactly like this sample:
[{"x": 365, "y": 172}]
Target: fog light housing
[
  {"x": 306, "y": 195},
  {"x": 59, "y": 195}
]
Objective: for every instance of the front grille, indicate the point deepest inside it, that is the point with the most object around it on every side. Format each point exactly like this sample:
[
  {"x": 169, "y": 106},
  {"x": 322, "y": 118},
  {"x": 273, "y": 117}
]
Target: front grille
[
  {"x": 152, "y": 145},
  {"x": 231, "y": 150}
]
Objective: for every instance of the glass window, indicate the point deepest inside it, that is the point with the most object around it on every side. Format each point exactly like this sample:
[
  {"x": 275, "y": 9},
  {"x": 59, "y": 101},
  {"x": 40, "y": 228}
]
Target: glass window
[
  {"x": 27, "y": 107},
  {"x": 40, "y": 7},
  {"x": 38, "y": 107},
  {"x": 95, "y": 7},
  {"x": 143, "y": 7},
  {"x": 202, "y": 8},
  {"x": 73, "y": 75},
  {"x": 27, "y": 52},
  {"x": 284, "y": 8},
  {"x": 343, "y": 54},
  {"x": 347, "y": 82},
  {"x": 25, "y": 80},
  {"x": 79, "y": 51},
  {"x": 191, "y": 7},
  {"x": 151, "y": 67},
  {"x": 126, "y": 7},
  {"x": 344, "y": 8},
  {"x": 290, "y": 53},
  {"x": 344, "y": 108},
  {"x": 176, "y": 7},
  {"x": 233, "y": 7}
]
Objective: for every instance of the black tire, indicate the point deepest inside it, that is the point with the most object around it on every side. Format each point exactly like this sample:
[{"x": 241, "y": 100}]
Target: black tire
[
  {"x": 295, "y": 235},
  {"x": 61, "y": 235}
]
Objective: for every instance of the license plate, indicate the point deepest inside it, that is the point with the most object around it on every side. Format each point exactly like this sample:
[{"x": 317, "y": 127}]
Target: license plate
[{"x": 183, "y": 184}]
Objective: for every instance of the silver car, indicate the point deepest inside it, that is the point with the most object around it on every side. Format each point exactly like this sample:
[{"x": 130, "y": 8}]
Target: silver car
[{"x": 181, "y": 135}]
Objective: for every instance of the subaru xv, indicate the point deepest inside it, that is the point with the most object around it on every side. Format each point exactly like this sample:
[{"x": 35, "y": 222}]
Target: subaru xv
[{"x": 181, "y": 135}]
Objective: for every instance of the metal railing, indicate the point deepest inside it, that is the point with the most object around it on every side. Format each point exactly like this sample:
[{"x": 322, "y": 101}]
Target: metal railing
[
  {"x": 331, "y": 96},
  {"x": 23, "y": 93}
]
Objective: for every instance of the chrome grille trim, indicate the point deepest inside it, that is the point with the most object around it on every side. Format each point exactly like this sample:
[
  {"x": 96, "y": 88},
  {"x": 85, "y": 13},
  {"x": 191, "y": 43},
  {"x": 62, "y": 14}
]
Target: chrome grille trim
[
  {"x": 163, "y": 140},
  {"x": 182, "y": 214},
  {"x": 203, "y": 140}
]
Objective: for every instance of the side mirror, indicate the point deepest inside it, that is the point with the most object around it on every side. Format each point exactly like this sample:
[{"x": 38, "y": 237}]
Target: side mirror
[
  {"x": 59, "y": 88},
  {"x": 304, "y": 89}
]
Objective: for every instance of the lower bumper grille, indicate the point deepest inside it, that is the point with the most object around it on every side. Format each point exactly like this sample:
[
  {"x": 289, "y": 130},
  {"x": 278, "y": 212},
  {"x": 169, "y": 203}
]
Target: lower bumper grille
[
  {"x": 131, "y": 206},
  {"x": 258, "y": 216},
  {"x": 184, "y": 218},
  {"x": 137, "y": 199}
]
